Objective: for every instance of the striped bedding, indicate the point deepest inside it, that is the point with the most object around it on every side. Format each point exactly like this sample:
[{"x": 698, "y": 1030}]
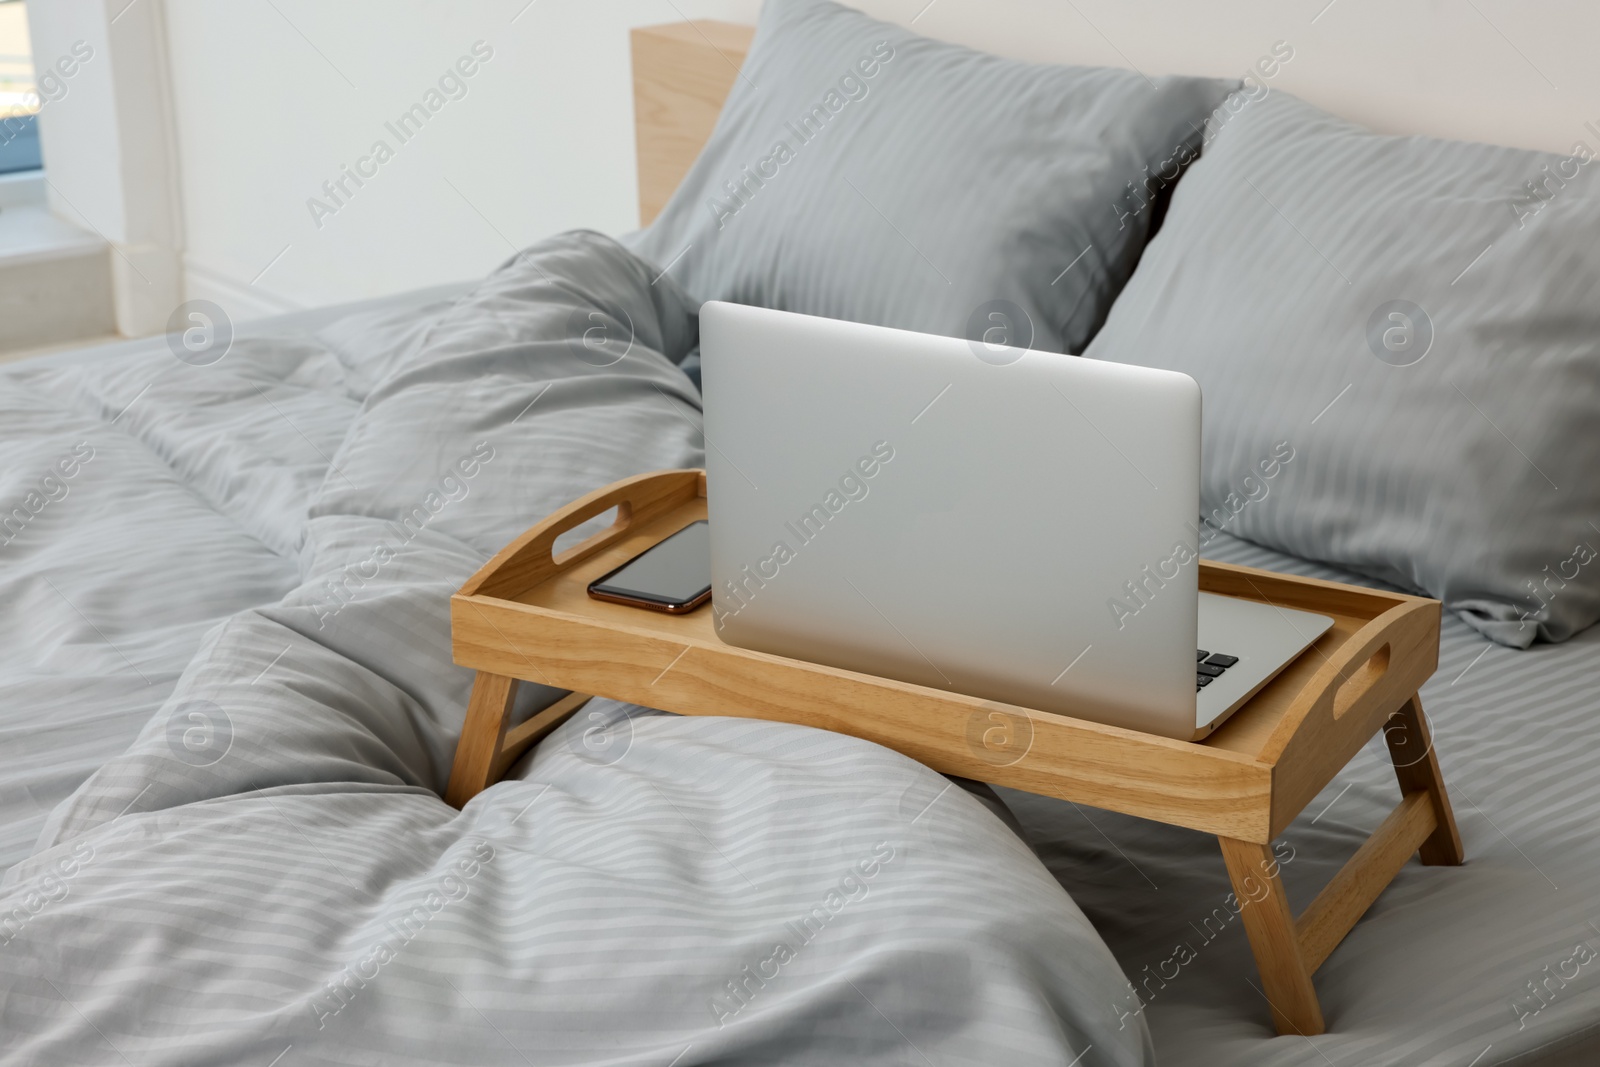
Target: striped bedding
[
  {"x": 229, "y": 710},
  {"x": 329, "y": 909},
  {"x": 1493, "y": 963}
]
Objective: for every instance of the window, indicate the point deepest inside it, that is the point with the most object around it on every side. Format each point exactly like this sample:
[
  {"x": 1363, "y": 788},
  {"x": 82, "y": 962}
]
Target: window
[{"x": 19, "y": 96}]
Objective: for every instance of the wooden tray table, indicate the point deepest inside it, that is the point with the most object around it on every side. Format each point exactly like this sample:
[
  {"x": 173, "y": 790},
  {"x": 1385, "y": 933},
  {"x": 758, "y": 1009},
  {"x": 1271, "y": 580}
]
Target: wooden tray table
[{"x": 527, "y": 615}]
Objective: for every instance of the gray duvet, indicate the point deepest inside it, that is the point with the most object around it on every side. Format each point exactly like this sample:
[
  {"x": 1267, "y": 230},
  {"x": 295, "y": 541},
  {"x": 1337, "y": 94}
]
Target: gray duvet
[{"x": 227, "y": 601}]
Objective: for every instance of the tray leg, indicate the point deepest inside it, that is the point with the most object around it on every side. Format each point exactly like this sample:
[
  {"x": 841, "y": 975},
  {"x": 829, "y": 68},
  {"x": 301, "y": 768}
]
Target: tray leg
[
  {"x": 1270, "y": 924},
  {"x": 482, "y": 735},
  {"x": 1416, "y": 764}
]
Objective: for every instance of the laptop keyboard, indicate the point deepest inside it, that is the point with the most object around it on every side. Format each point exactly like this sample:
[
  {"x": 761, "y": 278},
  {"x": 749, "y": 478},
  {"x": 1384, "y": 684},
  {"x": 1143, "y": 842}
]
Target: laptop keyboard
[{"x": 1209, "y": 665}]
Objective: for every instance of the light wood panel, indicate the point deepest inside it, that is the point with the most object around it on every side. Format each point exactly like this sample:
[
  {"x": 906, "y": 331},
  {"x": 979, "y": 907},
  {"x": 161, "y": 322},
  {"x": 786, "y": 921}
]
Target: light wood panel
[
  {"x": 489, "y": 744},
  {"x": 1355, "y": 690},
  {"x": 1269, "y": 922},
  {"x": 1416, "y": 765},
  {"x": 1086, "y": 762},
  {"x": 482, "y": 734},
  {"x": 682, "y": 73},
  {"x": 1354, "y": 889}
]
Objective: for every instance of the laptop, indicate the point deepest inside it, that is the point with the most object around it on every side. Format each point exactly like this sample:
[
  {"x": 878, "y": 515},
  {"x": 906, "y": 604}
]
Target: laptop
[{"x": 1014, "y": 525}]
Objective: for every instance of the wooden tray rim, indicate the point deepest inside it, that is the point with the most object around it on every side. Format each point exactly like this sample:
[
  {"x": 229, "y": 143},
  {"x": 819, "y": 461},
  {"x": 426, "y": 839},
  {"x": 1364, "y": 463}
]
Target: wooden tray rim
[{"x": 653, "y": 497}]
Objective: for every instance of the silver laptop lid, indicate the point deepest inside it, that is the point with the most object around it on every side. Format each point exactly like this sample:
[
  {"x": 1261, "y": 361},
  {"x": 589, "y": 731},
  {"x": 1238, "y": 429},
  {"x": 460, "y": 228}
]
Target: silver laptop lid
[{"x": 1017, "y": 526}]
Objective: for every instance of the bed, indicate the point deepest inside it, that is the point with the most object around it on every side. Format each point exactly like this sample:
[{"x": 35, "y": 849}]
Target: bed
[{"x": 230, "y": 711}]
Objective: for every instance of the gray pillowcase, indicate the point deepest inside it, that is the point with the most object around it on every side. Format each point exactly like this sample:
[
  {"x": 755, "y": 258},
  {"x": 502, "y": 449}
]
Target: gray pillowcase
[
  {"x": 1398, "y": 341},
  {"x": 862, "y": 172}
]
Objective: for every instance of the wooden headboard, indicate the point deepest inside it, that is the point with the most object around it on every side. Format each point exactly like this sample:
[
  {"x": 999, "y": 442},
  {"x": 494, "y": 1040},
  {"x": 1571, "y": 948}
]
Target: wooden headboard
[{"x": 682, "y": 73}]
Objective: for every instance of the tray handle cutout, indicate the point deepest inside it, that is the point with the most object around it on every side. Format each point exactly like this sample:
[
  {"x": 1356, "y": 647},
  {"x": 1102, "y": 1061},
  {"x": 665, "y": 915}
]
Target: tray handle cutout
[
  {"x": 1358, "y": 681},
  {"x": 532, "y": 559},
  {"x": 621, "y": 521},
  {"x": 1353, "y": 676}
]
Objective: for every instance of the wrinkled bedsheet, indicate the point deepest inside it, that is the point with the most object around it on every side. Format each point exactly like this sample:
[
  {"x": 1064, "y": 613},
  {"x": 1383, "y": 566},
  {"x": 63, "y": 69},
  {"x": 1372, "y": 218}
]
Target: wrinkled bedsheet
[{"x": 224, "y": 613}]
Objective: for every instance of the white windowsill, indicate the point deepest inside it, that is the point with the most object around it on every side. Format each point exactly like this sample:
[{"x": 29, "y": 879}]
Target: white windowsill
[
  {"x": 21, "y": 190},
  {"x": 29, "y": 233}
]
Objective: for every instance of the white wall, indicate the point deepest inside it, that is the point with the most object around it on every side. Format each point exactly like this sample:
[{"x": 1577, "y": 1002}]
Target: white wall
[
  {"x": 1518, "y": 72},
  {"x": 82, "y": 145},
  {"x": 542, "y": 142},
  {"x": 108, "y": 144},
  {"x": 269, "y": 106}
]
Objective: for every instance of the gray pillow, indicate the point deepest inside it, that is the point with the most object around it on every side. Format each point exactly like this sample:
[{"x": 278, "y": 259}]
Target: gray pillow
[
  {"x": 1404, "y": 333},
  {"x": 862, "y": 172}
]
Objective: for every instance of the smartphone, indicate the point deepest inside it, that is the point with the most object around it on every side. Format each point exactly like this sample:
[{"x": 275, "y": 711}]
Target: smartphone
[{"x": 674, "y": 576}]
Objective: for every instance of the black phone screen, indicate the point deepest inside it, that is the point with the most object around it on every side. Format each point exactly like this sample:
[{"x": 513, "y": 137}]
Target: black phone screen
[{"x": 674, "y": 573}]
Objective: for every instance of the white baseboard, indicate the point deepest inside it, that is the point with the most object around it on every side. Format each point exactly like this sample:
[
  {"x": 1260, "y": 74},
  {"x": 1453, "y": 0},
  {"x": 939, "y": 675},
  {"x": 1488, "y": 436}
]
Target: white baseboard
[{"x": 240, "y": 299}]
